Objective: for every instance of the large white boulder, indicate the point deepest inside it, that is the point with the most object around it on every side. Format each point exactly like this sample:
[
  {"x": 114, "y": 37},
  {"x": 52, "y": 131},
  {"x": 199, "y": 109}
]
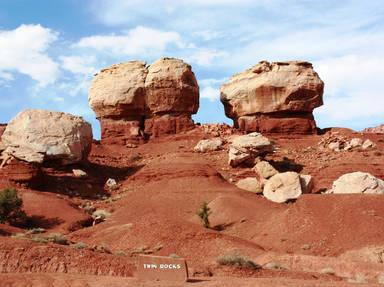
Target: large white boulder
[
  {"x": 265, "y": 169},
  {"x": 38, "y": 135},
  {"x": 358, "y": 182},
  {"x": 283, "y": 186}
]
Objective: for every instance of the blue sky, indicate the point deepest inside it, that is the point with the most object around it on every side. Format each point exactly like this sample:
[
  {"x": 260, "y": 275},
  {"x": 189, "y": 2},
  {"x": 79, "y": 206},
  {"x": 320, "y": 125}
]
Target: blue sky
[{"x": 49, "y": 50}]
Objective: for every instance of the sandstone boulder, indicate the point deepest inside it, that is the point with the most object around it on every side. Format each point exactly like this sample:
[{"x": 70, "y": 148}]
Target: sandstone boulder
[
  {"x": 358, "y": 182},
  {"x": 208, "y": 145},
  {"x": 118, "y": 91},
  {"x": 36, "y": 136},
  {"x": 306, "y": 183},
  {"x": 274, "y": 97},
  {"x": 247, "y": 147},
  {"x": 264, "y": 169},
  {"x": 251, "y": 184},
  {"x": 283, "y": 187},
  {"x": 134, "y": 101}
]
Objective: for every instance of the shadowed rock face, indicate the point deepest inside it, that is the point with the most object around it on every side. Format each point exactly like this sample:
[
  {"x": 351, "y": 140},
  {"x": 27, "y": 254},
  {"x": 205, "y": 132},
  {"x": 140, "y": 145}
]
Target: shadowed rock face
[
  {"x": 274, "y": 97},
  {"x": 134, "y": 101}
]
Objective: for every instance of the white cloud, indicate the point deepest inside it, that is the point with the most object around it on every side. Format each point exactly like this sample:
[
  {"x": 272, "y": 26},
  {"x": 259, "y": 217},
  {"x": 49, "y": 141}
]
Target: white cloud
[
  {"x": 79, "y": 64},
  {"x": 138, "y": 41},
  {"x": 205, "y": 57},
  {"x": 210, "y": 93},
  {"x": 23, "y": 50},
  {"x": 353, "y": 87}
]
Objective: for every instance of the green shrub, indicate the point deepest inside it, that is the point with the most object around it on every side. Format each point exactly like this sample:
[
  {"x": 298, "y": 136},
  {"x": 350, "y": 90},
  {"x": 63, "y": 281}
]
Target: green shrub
[
  {"x": 10, "y": 206},
  {"x": 203, "y": 212},
  {"x": 237, "y": 260}
]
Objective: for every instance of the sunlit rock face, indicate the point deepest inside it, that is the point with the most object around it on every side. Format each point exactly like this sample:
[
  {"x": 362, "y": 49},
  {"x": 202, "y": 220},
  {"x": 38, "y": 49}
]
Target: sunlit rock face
[{"x": 274, "y": 97}]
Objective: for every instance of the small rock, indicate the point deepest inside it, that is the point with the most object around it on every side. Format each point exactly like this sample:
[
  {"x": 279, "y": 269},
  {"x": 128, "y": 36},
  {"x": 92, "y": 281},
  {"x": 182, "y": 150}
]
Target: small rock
[
  {"x": 335, "y": 146},
  {"x": 131, "y": 145},
  {"x": 283, "y": 186},
  {"x": 251, "y": 184},
  {"x": 306, "y": 183},
  {"x": 367, "y": 144},
  {"x": 111, "y": 184},
  {"x": 265, "y": 169},
  {"x": 208, "y": 145},
  {"x": 79, "y": 173}
]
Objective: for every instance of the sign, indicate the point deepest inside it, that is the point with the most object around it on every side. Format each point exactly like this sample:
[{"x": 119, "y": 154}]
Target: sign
[{"x": 161, "y": 268}]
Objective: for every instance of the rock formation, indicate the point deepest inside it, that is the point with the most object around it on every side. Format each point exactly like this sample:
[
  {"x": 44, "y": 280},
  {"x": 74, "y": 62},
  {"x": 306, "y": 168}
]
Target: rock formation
[
  {"x": 376, "y": 130},
  {"x": 134, "y": 101},
  {"x": 35, "y": 136},
  {"x": 2, "y": 129},
  {"x": 250, "y": 184},
  {"x": 274, "y": 97},
  {"x": 358, "y": 182}
]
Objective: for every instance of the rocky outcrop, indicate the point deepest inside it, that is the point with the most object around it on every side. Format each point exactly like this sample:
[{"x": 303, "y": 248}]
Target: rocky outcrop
[
  {"x": 376, "y": 130},
  {"x": 134, "y": 101},
  {"x": 274, "y": 97},
  {"x": 358, "y": 182},
  {"x": 248, "y": 148},
  {"x": 2, "y": 129},
  {"x": 36, "y": 136}
]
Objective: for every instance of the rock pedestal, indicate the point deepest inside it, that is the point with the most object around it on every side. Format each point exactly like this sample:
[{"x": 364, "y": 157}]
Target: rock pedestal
[
  {"x": 274, "y": 98},
  {"x": 134, "y": 102}
]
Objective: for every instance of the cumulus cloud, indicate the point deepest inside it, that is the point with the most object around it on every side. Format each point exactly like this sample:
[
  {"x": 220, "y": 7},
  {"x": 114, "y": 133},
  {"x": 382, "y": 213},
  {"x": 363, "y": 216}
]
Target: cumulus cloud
[
  {"x": 138, "y": 41},
  {"x": 353, "y": 87},
  {"x": 79, "y": 64},
  {"x": 24, "y": 50}
]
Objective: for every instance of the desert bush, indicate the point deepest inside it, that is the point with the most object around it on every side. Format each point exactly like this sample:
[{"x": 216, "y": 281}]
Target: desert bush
[
  {"x": 358, "y": 279},
  {"x": 173, "y": 255},
  {"x": 58, "y": 238},
  {"x": 10, "y": 206},
  {"x": 80, "y": 245},
  {"x": 203, "y": 212},
  {"x": 37, "y": 230},
  {"x": 237, "y": 260},
  {"x": 120, "y": 253}
]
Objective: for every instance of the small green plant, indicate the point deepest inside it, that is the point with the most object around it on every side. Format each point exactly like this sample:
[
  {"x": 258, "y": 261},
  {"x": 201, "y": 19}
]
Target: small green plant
[
  {"x": 10, "y": 206},
  {"x": 237, "y": 260},
  {"x": 203, "y": 212}
]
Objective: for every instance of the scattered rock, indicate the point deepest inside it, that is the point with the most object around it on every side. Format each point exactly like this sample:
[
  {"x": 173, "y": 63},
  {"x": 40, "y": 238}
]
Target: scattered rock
[
  {"x": 134, "y": 101},
  {"x": 247, "y": 147},
  {"x": 251, "y": 184},
  {"x": 358, "y": 182},
  {"x": 79, "y": 173},
  {"x": 208, "y": 145},
  {"x": 265, "y": 169},
  {"x": 274, "y": 97},
  {"x": 131, "y": 145},
  {"x": 283, "y": 186},
  {"x": 335, "y": 146},
  {"x": 36, "y": 136},
  {"x": 337, "y": 142},
  {"x": 111, "y": 184}
]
